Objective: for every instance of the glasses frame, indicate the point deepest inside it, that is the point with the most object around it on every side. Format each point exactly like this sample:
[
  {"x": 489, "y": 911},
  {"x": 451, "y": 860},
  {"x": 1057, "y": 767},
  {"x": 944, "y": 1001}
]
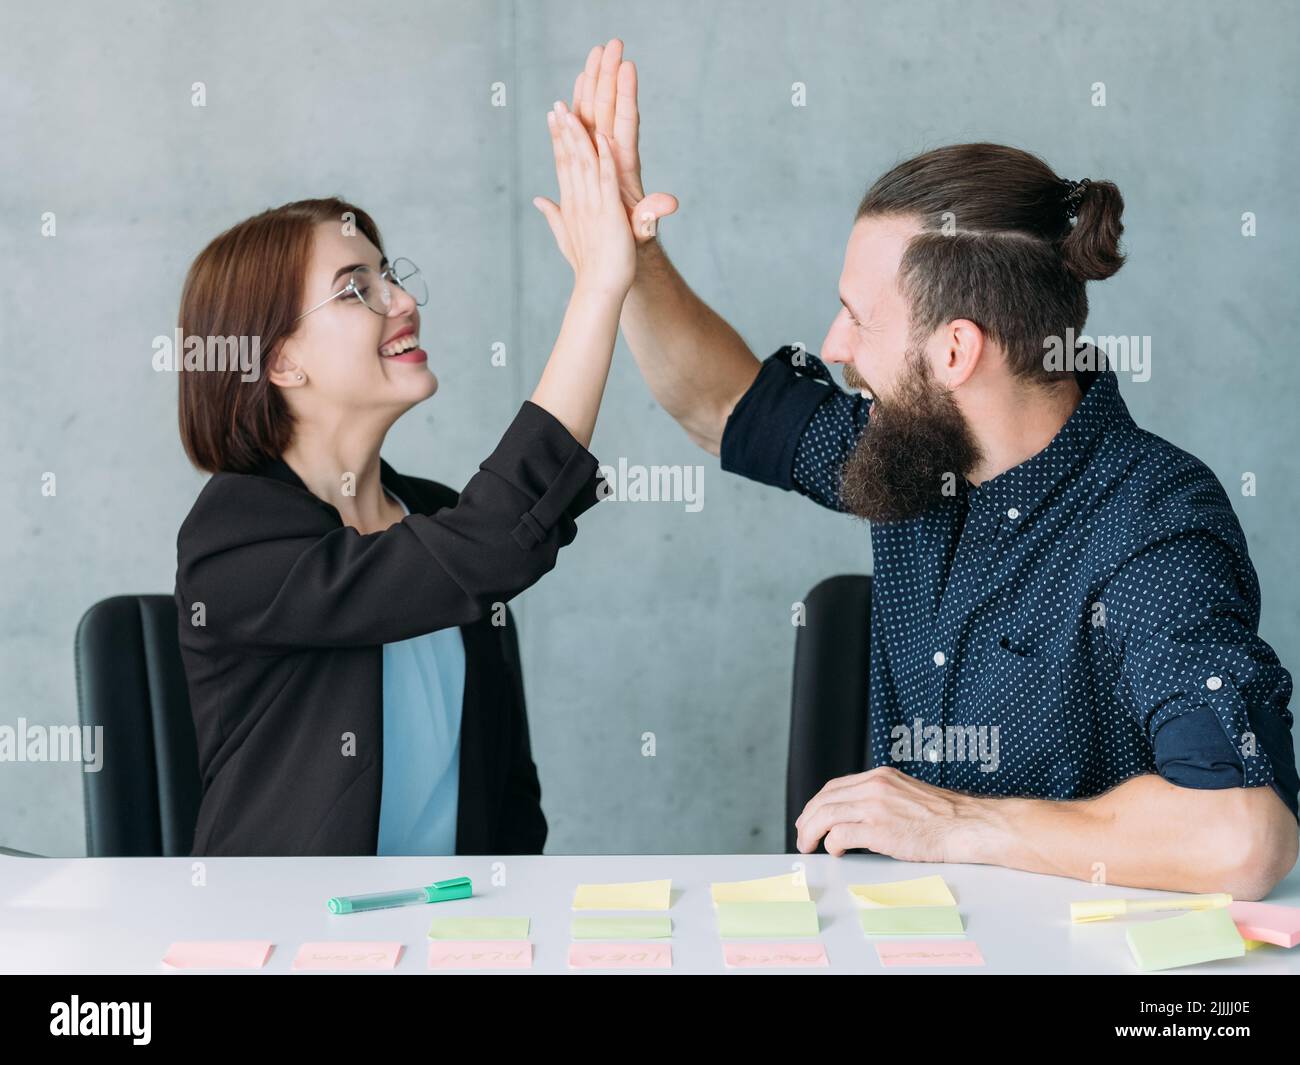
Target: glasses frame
[{"x": 387, "y": 274}]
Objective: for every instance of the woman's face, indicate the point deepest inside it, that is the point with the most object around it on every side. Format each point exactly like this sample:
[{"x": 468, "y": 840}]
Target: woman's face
[{"x": 337, "y": 347}]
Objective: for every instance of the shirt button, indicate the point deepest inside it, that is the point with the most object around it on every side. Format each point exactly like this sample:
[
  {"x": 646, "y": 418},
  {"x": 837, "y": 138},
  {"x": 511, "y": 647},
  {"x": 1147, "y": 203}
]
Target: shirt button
[
  {"x": 933, "y": 755},
  {"x": 1214, "y": 684},
  {"x": 1013, "y": 513},
  {"x": 939, "y": 658}
]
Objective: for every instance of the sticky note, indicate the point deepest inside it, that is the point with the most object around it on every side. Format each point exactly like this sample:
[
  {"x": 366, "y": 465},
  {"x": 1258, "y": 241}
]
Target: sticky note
[
  {"x": 767, "y": 920},
  {"x": 620, "y": 956},
  {"x": 1254, "y": 944},
  {"x": 218, "y": 954},
  {"x": 479, "y": 928},
  {"x": 911, "y": 921},
  {"x": 335, "y": 957},
  {"x": 774, "y": 956},
  {"x": 924, "y": 891},
  {"x": 621, "y": 928},
  {"x": 1204, "y": 935},
  {"x": 1267, "y": 922},
  {"x": 484, "y": 954},
  {"x": 645, "y": 895},
  {"x": 788, "y": 887},
  {"x": 924, "y": 953}
]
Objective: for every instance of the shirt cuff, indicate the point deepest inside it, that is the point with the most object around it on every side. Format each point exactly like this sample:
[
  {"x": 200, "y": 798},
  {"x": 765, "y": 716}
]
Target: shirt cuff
[
  {"x": 763, "y": 431},
  {"x": 540, "y": 456}
]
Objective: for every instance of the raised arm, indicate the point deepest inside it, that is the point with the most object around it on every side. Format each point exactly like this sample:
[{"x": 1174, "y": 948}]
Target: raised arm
[{"x": 696, "y": 365}]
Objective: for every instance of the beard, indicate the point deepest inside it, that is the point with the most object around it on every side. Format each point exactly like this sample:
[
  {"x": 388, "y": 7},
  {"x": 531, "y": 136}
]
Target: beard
[{"x": 916, "y": 444}]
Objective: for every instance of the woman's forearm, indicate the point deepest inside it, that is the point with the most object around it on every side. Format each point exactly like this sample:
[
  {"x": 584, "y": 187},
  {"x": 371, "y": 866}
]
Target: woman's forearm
[{"x": 573, "y": 381}]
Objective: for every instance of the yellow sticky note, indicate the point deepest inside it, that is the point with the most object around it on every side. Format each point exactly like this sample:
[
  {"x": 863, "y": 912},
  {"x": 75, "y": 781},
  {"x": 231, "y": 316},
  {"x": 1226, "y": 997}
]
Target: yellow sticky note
[
  {"x": 643, "y": 895},
  {"x": 924, "y": 891},
  {"x": 1253, "y": 944},
  {"x": 788, "y": 887}
]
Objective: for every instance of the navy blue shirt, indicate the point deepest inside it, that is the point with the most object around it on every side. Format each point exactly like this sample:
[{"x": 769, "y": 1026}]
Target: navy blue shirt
[{"x": 1086, "y": 616}]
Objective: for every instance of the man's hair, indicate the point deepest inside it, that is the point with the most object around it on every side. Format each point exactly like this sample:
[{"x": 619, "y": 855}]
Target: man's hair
[{"x": 998, "y": 246}]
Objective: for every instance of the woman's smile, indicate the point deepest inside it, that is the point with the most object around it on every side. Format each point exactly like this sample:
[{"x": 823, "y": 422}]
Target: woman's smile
[{"x": 404, "y": 346}]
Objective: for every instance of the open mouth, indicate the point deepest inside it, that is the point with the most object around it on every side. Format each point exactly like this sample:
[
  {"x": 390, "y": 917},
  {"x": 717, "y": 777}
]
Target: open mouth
[{"x": 404, "y": 348}]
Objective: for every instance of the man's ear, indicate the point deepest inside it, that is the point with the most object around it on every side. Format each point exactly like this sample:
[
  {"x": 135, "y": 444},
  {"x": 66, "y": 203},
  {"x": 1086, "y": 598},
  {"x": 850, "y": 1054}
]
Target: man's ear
[{"x": 964, "y": 344}]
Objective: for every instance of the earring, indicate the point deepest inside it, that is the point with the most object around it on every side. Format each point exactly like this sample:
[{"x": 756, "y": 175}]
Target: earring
[{"x": 300, "y": 377}]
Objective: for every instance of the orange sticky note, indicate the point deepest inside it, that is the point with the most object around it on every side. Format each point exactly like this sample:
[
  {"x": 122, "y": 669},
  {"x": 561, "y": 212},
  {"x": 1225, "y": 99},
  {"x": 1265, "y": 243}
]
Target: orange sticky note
[
  {"x": 1267, "y": 922},
  {"x": 774, "y": 956},
  {"x": 925, "y": 953},
  {"x": 218, "y": 954},
  {"x": 484, "y": 954},
  {"x": 587, "y": 955},
  {"x": 345, "y": 956}
]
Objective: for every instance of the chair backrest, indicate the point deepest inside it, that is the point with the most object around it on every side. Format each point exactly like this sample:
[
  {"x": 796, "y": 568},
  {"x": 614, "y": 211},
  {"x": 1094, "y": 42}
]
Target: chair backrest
[
  {"x": 144, "y": 800},
  {"x": 828, "y": 706}
]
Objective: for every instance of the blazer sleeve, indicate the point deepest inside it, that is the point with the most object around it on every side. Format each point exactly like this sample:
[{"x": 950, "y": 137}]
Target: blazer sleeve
[
  {"x": 523, "y": 825},
  {"x": 274, "y": 569}
]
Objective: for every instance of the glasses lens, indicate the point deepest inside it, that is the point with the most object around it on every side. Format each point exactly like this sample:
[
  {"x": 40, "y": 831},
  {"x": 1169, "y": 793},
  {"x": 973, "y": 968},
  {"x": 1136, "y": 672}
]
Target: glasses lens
[
  {"x": 408, "y": 276},
  {"x": 372, "y": 289}
]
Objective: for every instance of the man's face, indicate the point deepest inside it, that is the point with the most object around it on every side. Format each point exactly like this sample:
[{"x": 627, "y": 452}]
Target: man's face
[{"x": 917, "y": 441}]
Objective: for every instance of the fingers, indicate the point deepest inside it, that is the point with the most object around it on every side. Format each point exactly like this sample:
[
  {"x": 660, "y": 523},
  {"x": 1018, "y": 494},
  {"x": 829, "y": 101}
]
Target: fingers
[
  {"x": 826, "y": 818},
  {"x": 563, "y": 170},
  {"x": 627, "y": 119},
  {"x": 585, "y": 105},
  {"x": 582, "y": 158},
  {"x": 551, "y": 212},
  {"x": 608, "y": 173},
  {"x": 607, "y": 86},
  {"x": 646, "y": 214}
]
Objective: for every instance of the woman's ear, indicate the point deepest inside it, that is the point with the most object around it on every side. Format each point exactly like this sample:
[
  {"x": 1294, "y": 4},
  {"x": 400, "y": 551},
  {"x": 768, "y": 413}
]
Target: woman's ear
[{"x": 283, "y": 369}]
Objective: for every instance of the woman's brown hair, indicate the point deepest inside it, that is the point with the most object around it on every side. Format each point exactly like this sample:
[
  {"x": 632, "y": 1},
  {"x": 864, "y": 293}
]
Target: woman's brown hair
[
  {"x": 999, "y": 246},
  {"x": 248, "y": 283}
]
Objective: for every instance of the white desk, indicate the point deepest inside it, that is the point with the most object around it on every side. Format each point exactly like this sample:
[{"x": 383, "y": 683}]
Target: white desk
[{"x": 114, "y": 915}]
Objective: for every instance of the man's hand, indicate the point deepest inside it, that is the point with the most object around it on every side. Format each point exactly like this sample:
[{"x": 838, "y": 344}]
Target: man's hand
[
  {"x": 604, "y": 99},
  {"x": 886, "y": 811}
]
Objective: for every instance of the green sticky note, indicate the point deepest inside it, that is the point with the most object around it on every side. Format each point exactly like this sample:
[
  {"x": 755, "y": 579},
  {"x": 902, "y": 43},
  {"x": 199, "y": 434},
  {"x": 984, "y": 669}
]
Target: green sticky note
[
  {"x": 912, "y": 921},
  {"x": 622, "y": 928},
  {"x": 745, "y": 920},
  {"x": 1203, "y": 935},
  {"x": 479, "y": 928}
]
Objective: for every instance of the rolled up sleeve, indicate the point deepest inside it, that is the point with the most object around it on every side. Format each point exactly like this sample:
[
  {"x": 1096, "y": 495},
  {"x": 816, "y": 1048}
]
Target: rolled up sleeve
[
  {"x": 1210, "y": 694},
  {"x": 794, "y": 428}
]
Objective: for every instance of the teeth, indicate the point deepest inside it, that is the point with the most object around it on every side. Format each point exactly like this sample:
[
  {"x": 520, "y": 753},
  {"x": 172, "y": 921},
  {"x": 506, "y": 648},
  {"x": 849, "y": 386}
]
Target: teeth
[{"x": 396, "y": 347}]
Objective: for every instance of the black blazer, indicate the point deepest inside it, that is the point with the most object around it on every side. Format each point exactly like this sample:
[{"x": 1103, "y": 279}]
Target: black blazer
[{"x": 284, "y": 611}]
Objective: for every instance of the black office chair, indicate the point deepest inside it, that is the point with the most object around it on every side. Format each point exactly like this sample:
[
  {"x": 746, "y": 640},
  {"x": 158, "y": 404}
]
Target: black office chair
[
  {"x": 828, "y": 706},
  {"x": 144, "y": 801}
]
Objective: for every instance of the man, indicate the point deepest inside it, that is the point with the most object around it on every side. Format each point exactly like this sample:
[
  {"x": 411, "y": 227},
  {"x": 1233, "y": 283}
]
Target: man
[{"x": 1046, "y": 573}]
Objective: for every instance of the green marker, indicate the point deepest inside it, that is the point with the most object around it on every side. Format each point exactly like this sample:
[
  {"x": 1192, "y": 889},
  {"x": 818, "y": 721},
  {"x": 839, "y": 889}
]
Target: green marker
[{"x": 457, "y": 888}]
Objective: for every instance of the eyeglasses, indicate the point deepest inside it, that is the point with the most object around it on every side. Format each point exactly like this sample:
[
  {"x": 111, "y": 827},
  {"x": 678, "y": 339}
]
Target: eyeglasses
[{"x": 372, "y": 289}]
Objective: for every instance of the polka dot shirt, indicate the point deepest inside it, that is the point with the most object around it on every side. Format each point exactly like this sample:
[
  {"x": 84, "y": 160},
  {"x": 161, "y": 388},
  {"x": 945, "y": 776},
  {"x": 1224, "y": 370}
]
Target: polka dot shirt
[{"x": 1086, "y": 616}]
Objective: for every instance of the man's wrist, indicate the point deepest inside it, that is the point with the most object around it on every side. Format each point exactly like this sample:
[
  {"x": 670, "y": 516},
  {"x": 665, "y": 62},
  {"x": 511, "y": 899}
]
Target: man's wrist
[{"x": 983, "y": 830}]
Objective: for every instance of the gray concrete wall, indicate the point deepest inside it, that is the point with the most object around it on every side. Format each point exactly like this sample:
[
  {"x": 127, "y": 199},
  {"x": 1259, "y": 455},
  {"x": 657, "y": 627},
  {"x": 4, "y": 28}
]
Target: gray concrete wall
[{"x": 657, "y": 619}]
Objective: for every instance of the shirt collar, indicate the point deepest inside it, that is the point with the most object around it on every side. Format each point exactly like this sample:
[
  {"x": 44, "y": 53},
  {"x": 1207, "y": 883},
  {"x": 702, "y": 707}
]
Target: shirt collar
[
  {"x": 279, "y": 470},
  {"x": 1015, "y": 493}
]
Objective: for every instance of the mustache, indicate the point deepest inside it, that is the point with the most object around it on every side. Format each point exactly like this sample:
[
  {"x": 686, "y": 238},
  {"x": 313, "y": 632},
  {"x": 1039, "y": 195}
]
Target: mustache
[{"x": 855, "y": 380}]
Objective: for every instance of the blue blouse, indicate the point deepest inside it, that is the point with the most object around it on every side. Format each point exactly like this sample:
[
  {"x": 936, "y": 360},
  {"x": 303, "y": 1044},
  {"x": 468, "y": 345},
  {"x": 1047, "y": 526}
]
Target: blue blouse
[{"x": 424, "y": 691}]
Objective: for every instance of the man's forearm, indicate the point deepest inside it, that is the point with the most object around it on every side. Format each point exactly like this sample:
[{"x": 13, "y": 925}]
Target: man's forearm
[
  {"x": 696, "y": 365},
  {"x": 1145, "y": 833}
]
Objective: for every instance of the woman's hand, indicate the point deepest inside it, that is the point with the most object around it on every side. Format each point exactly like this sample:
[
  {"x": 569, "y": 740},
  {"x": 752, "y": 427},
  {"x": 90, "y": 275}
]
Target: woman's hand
[{"x": 590, "y": 224}]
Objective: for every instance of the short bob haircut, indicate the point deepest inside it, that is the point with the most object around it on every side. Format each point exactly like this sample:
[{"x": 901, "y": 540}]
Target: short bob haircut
[{"x": 249, "y": 283}]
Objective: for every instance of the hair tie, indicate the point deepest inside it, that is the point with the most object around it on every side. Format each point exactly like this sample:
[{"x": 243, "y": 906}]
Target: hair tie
[{"x": 1076, "y": 190}]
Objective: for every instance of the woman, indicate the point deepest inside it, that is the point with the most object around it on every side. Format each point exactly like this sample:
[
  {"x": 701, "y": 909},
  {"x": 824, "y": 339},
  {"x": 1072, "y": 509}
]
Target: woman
[{"x": 341, "y": 623}]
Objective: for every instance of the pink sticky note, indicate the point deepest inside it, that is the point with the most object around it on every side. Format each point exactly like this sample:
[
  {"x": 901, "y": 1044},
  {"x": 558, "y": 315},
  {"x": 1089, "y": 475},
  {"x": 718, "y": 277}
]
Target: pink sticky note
[
  {"x": 481, "y": 954},
  {"x": 336, "y": 956},
  {"x": 922, "y": 952},
  {"x": 1267, "y": 922},
  {"x": 774, "y": 955},
  {"x": 620, "y": 956},
  {"x": 218, "y": 954}
]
